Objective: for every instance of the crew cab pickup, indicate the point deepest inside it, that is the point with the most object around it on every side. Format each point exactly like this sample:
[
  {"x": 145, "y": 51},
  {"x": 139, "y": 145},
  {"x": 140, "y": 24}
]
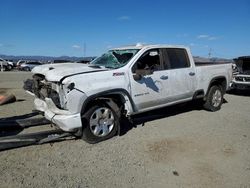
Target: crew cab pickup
[{"x": 91, "y": 98}]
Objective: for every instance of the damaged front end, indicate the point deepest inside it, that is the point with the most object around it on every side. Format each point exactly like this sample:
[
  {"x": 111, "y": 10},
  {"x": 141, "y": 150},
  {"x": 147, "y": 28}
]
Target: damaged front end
[
  {"x": 40, "y": 88},
  {"x": 241, "y": 79},
  {"x": 56, "y": 100}
]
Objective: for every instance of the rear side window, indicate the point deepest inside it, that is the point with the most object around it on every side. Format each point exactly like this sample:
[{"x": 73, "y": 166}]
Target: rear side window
[{"x": 177, "y": 58}]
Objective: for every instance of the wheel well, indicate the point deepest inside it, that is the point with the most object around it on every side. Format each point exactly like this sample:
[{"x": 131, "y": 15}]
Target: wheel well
[
  {"x": 220, "y": 81},
  {"x": 116, "y": 98},
  {"x": 198, "y": 94}
]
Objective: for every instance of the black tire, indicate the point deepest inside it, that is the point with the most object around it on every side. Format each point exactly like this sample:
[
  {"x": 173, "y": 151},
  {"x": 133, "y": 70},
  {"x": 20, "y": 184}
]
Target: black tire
[
  {"x": 9, "y": 67},
  {"x": 26, "y": 69},
  {"x": 214, "y": 99},
  {"x": 93, "y": 132}
]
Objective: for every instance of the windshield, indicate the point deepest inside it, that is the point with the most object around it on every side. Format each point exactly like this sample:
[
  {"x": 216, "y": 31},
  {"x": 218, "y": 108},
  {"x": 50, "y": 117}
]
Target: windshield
[{"x": 115, "y": 58}]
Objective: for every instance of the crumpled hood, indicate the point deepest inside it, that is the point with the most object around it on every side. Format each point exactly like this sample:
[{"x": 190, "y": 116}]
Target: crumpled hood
[{"x": 56, "y": 72}]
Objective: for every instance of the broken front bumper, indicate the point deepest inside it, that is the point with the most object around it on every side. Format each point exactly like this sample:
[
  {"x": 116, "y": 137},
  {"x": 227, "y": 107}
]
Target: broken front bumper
[
  {"x": 241, "y": 82},
  {"x": 64, "y": 119}
]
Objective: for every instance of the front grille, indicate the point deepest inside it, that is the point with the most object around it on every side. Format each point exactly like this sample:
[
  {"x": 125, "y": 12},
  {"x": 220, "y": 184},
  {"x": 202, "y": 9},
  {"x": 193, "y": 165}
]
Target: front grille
[
  {"x": 55, "y": 98},
  {"x": 43, "y": 89},
  {"x": 47, "y": 92},
  {"x": 242, "y": 79}
]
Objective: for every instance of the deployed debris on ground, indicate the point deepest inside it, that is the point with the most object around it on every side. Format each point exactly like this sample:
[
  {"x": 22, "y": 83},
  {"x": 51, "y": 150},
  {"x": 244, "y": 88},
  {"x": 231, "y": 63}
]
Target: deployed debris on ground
[{"x": 11, "y": 127}]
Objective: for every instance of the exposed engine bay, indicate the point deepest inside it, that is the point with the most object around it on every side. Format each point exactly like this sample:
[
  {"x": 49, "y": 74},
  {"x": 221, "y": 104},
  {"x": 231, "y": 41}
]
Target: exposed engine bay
[
  {"x": 42, "y": 89},
  {"x": 241, "y": 78},
  {"x": 243, "y": 65}
]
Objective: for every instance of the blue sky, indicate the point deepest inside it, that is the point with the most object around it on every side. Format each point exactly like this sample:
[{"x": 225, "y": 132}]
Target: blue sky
[{"x": 64, "y": 27}]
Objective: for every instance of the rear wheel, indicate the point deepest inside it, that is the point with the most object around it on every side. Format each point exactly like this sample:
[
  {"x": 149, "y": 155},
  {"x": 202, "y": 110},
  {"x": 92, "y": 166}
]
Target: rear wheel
[
  {"x": 214, "y": 99},
  {"x": 100, "y": 123}
]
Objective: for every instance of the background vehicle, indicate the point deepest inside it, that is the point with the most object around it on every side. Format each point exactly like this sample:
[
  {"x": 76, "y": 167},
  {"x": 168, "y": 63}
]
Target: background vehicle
[
  {"x": 18, "y": 64},
  {"x": 28, "y": 66},
  {"x": 60, "y": 61},
  {"x": 241, "y": 78},
  {"x": 90, "y": 99},
  {"x": 10, "y": 64},
  {"x": 5, "y": 64},
  {"x": 83, "y": 61},
  {"x": 86, "y": 60}
]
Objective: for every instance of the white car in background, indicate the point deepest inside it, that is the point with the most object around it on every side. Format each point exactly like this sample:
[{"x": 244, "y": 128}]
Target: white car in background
[
  {"x": 28, "y": 66},
  {"x": 19, "y": 62},
  {"x": 6, "y": 65}
]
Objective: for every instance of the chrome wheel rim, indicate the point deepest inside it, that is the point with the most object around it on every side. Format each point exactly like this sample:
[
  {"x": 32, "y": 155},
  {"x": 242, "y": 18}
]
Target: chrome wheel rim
[
  {"x": 102, "y": 122},
  {"x": 217, "y": 98}
]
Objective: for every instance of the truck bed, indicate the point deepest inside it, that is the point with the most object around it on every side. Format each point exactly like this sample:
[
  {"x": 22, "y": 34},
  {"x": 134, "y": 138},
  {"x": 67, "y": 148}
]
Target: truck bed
[
  {"x": 198, "y": 63},
  {"x": 210, "y": 70}
]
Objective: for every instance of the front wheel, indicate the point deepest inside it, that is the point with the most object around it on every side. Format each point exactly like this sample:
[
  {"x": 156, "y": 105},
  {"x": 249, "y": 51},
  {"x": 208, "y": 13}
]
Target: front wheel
[
  {"x": 100, "y": 123},
  {"x": 214, "y": 99}
]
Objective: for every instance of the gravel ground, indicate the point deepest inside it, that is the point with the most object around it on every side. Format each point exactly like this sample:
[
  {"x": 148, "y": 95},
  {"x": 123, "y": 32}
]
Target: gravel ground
[{"x": 180, "y": 146}]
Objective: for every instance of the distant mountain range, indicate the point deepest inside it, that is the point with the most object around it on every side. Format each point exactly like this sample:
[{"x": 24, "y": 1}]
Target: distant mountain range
[{"x": 44, "y": 58}]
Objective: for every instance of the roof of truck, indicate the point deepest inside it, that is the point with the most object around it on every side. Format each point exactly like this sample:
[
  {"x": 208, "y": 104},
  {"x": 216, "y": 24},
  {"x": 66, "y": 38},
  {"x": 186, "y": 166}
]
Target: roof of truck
[{"x": 140, "y": 46}]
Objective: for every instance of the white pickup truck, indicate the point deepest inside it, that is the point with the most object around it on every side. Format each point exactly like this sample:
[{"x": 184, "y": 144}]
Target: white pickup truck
[
  {"x": 91, "y": 98},
  {"x": 241, "y": 78}
]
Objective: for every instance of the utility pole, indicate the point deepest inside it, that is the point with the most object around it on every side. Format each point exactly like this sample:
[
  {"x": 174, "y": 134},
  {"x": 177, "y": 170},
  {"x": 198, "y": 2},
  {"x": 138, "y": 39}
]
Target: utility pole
[
  {"x": 84, "y": 49},
  {"x": 210, "y": 53}
]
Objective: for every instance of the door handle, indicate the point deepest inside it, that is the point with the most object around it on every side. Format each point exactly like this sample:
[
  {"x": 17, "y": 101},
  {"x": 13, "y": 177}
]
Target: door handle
[
  {"x": 191, "y": 73},
  {"x": 164, "y": 77}
]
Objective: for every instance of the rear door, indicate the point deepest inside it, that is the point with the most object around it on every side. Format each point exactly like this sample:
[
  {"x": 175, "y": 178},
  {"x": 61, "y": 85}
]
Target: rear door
[{"x": 181, "y": 74}]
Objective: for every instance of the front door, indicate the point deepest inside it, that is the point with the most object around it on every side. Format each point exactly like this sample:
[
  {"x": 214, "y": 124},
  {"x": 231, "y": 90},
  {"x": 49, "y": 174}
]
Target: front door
[
  {"x": 147, "y": 91},
  {"x": 166, "y": 77}
]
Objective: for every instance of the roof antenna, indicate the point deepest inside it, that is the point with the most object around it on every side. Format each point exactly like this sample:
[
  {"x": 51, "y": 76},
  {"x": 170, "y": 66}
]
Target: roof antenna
[
  {"x": 138, "y": 44},
  {"x": 84, "y": 49}
]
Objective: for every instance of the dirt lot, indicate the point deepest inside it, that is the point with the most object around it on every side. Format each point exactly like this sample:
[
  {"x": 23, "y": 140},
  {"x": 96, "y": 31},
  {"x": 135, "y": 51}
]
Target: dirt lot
[{"x": 180, "y": 146}]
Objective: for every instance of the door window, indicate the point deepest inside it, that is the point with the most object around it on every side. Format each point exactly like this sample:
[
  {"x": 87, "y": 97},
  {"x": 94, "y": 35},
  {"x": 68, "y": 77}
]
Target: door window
[
  {"x": 177, "y": 58},
  {"x": 150, "y": 60}
]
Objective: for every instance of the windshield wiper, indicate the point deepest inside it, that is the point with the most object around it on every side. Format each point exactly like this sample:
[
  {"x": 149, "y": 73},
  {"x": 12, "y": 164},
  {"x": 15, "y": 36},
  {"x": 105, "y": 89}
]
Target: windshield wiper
[
  {"x": 95, "y": 66},
  {"x": 101, "y": 67},
  {"x": 109, "y": 67}
]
